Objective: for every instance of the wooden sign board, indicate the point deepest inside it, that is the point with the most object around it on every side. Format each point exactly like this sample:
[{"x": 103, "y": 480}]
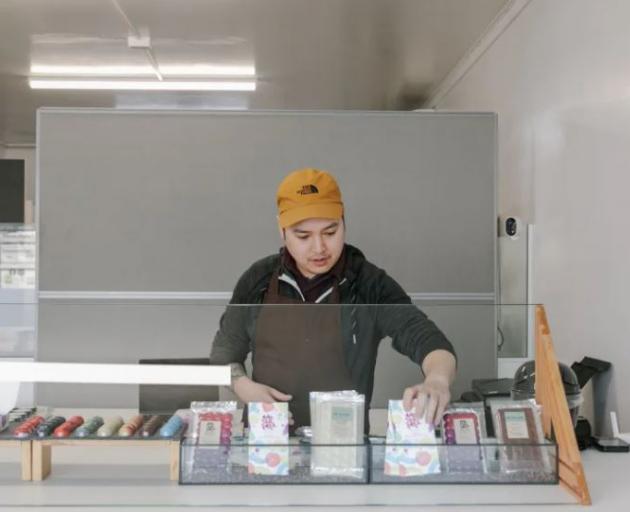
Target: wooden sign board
[{"x": 555, "y": 412}]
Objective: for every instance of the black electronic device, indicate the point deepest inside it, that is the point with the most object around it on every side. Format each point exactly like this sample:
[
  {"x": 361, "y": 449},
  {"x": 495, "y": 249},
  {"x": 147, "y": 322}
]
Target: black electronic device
[
  {"x": 588, "y": 367},
  {"x": 610, "y": 444},
  {"x": 12, "y": 191},
  {"x": 583, "y": 433}
]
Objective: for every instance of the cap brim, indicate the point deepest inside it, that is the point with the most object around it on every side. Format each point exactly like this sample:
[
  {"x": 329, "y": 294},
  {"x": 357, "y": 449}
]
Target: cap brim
[{"x": 311, "y": 211}]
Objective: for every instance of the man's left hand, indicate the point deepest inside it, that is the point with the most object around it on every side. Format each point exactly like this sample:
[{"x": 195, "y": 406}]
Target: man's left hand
[{"x": 429, "y": 398}]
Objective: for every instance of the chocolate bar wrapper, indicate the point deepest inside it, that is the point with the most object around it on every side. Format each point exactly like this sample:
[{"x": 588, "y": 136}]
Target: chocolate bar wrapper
[
  {"x": 403, "y": 456},
  {"x": 268, "y": 435}
]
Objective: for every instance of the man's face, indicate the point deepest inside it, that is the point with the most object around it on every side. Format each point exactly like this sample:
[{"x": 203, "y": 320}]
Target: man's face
[{"x": 315, "y": 244}]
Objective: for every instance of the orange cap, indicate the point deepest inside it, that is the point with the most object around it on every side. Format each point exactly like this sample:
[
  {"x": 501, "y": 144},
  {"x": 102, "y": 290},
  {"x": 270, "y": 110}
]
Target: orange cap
[{"x": 308, "y": 194}]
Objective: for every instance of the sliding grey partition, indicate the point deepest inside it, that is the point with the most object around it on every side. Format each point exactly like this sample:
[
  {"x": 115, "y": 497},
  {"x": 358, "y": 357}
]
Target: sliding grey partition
[{"x": 169, "y": 205}]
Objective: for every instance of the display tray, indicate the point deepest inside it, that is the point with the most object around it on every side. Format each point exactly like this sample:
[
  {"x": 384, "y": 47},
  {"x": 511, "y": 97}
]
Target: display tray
[
  {"x": 374, "y": 462},
  {"x": 8, "y": 434}
]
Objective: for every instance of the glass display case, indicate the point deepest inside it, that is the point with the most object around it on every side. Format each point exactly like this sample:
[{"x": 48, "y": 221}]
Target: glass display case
[
  {"x": 123, "y": 467},
  {"x": 486, "y": 463}
]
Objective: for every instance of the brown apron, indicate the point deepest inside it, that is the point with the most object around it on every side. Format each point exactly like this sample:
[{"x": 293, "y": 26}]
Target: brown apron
[{"x": 298, "y": 348}]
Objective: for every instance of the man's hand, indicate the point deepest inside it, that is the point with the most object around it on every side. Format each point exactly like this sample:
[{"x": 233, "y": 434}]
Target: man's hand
[
  {"x": 249, "y": 391},
  {"x": 429, "y": 398},
  {"x": 432, "y": 396}
]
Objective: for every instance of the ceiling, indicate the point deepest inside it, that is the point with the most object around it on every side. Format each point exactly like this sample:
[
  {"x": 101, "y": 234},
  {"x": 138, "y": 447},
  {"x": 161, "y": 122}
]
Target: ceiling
[{"x": 307, "y": 54}]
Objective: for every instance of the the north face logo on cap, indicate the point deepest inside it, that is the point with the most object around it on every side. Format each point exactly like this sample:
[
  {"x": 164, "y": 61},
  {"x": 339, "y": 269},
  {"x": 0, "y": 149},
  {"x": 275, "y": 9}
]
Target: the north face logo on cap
[{"x": 308, "y": 189}]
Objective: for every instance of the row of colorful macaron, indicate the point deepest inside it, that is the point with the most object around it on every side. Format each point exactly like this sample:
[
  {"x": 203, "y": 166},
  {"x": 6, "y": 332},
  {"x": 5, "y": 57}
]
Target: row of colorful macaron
[{"x": 76, "y": 426}]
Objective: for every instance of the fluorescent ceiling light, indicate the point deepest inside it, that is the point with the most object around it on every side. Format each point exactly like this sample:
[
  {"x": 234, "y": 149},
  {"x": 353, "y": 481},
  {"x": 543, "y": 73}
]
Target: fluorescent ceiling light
[
  {"x": 207, "y": 70},
  {"x": 143, "y": 70},
  {"x": 142, "y": 85},
  {"x": 37, "y": 69}
]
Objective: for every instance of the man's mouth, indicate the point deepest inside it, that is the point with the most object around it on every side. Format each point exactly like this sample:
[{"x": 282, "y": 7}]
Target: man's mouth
[{"x": 320, "y": 262}]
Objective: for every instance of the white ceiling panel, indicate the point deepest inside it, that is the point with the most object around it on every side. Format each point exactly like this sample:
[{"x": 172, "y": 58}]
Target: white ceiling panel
[{"x": 307, "y": 54}]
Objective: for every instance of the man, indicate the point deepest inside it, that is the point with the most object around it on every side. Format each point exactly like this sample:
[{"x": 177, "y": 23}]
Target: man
[{"x": 321, "y": 348}]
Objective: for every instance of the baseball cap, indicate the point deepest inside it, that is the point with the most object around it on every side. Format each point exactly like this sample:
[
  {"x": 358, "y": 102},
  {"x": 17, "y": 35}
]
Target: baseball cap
[{"x": 308, "y": 194}]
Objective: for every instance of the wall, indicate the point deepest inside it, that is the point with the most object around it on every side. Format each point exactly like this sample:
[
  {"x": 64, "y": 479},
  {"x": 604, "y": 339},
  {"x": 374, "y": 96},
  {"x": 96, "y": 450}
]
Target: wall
[
  {"x": 559, "y": 79},
  {"x": 182, "y": 202}
]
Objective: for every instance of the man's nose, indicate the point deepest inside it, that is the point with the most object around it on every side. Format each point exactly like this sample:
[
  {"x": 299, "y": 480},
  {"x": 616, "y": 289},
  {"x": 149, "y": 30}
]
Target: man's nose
[{"x": 319, "y": 244}]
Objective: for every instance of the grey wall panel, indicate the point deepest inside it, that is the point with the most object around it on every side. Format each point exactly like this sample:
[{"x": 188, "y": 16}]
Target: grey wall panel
[
  {"x": 184, "y": 201},
  {"x": 172, "y": 201}
]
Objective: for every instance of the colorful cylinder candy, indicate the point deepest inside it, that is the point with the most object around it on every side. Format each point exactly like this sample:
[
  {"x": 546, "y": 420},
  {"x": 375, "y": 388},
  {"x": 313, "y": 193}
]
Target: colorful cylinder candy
[
  {"x": 172, "y": 426},
  {"x": 152, "y": 424},
  {"x": 132, "y": 426},
  {"x": 110, "y": 427},
  {"x": 45, "y": 429},
  {"x": 68, "y": 426},
  {"x": 27, "y": 427},
  {"x": 90, "y": 427}
]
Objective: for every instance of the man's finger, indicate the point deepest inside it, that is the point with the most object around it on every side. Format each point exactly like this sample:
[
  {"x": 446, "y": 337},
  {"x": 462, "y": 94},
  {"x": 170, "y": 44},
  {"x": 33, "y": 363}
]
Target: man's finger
[
  {"x": 408, "y": 396},
  {"x": 421, "y": 403},
  {"x": 431, "y": 409},
  {"x": 278, "y": 395},
  {"x": 443, "y": 402}
]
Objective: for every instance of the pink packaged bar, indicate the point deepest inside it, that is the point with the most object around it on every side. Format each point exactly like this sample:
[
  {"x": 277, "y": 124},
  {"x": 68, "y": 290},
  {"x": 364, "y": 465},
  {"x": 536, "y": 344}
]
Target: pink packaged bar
[{"x": 461, "y": 427}]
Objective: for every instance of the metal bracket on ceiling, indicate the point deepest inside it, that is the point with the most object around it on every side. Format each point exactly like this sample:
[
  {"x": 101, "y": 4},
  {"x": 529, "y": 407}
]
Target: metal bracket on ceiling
[{"x": 139, "y": 38}]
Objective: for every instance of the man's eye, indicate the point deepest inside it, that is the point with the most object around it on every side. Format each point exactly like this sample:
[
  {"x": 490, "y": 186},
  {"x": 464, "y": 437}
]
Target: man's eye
[
  {"x": 330, "y": 233},
  {"x": 302, "y": 237}
]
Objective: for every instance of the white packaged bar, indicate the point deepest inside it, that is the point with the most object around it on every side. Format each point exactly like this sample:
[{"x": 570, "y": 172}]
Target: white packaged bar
[{"x": 338, "y": 419}]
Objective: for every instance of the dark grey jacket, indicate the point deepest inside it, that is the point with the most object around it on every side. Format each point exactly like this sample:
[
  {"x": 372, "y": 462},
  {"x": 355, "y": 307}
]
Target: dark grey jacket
[{"x": 377, "y": 307}]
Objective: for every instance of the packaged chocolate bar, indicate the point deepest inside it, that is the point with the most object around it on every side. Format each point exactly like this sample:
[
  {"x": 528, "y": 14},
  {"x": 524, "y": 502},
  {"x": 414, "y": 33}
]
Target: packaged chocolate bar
[
  {"x": 518, "y": 428},
  {"x": 337, "y": 425},
  {"x": 462, "y": 427},
  {"x": 268, "y": 438},
  {"x": 211, "y": 431},
  {"x": 212, "y": 422},
  {"x": 411, "y": 448}
]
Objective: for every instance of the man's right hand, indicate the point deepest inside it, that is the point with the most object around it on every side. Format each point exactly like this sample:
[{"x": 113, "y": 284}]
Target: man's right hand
[{"x": 249, "y": 391}]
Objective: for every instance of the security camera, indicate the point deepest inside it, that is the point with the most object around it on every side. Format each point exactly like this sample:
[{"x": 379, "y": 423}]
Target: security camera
[{"x": 510, "y": 226}]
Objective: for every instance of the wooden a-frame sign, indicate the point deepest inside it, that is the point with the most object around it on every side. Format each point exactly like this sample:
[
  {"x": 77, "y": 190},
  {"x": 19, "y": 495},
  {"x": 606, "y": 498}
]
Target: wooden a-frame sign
[{"x": 555, "y": 412}]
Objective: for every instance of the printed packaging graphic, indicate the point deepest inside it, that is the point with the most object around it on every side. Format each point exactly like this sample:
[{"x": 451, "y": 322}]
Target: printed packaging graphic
[
  {"x": 461, "y": 427},
  {"x": 268, "y": 438},
  {"x": 518, "y": 427},
  {"x": 404, "y": 432}
]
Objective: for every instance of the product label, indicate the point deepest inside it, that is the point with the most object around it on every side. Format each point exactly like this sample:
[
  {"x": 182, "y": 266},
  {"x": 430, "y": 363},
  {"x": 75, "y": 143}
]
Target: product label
[
  {"x": 342, "y": 421},
  {"x": 210, "y": 432},
  {"x": 465, "y": 431},
  {"x": 341, "y": 415},
  {"x": 516, "y": 425}
]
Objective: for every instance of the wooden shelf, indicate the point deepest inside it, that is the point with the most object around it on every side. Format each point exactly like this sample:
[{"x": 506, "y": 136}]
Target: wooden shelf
[
  {"x": 42, "y": 452},
  {"x": 25, "y": 455}
]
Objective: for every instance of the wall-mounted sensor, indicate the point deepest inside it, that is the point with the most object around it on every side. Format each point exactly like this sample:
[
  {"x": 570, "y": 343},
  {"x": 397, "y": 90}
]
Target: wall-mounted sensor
[{"x": 510, "y": 226}]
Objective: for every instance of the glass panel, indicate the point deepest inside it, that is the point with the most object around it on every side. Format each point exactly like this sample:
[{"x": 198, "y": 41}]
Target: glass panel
[
  {"x": 184, "y": 331},
  {"x": 17, "y": 290}
]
